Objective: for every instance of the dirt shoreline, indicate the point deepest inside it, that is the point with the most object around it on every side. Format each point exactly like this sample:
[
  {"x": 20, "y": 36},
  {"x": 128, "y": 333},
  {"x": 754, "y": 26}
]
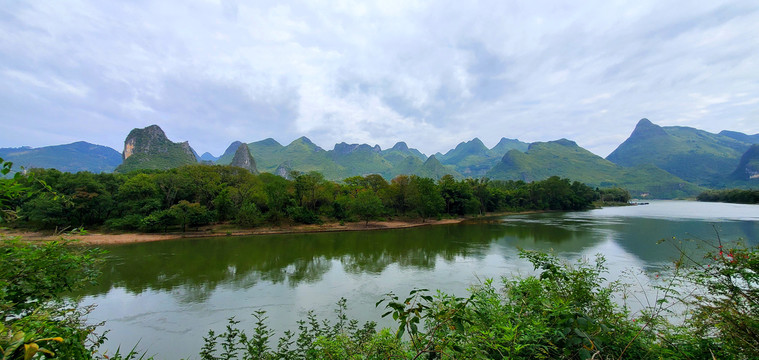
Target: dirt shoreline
[{"x": 98, "y": 238}]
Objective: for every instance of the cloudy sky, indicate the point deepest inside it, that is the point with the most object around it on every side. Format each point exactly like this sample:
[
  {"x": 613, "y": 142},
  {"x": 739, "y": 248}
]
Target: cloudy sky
[{"x": 431, "y": 73}]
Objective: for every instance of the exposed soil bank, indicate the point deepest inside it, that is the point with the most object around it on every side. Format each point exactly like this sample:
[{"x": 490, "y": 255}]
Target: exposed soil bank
[{"x": 96, "y": 238}]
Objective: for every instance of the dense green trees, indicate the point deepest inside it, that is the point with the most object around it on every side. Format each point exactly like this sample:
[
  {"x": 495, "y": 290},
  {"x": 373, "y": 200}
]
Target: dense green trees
[
  {"x": 613, "y": 195},
  {"x": 195, "y": 195},
  {"x": 738, "y": 196},
  {"x": 36, "y": 319}
]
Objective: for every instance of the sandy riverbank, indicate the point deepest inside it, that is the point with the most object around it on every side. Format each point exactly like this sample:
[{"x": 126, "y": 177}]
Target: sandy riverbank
[{"x": 96, "y": 238}]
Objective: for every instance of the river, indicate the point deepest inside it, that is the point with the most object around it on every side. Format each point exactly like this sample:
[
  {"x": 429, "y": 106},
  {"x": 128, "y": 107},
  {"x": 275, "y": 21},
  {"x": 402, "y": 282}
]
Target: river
[{"x": 167, "y": 295}]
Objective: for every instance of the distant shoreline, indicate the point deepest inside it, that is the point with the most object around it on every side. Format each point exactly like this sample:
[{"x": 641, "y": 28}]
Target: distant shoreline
[{"x": 98, "y": 238}]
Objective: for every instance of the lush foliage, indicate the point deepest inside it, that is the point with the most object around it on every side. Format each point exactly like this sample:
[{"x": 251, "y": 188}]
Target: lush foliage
[
  {"x": 192, "y": 196},
  {"x": 614, "y": 195},
  {"x": 730, "y": 196},
  {"x": 566, "y": 311},
  {"x": 727, "y": 313},
  {"x": 35, "y": 318}
]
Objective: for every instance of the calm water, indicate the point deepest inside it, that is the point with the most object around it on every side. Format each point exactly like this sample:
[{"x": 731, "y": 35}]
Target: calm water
[{"x": 167, "y": 295}]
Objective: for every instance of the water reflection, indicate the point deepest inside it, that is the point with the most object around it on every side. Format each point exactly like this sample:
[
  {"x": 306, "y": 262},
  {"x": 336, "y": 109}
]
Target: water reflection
[
  {"x": 241, "y": 262},
  {"x": 174, "y": 291},
  {"x": 292, "y": 259}
]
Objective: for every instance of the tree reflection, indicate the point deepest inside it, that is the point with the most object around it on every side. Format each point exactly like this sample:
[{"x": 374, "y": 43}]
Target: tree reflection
[
  {"x": 293, "y": 259},
  {"x": 200, "y": 265}
]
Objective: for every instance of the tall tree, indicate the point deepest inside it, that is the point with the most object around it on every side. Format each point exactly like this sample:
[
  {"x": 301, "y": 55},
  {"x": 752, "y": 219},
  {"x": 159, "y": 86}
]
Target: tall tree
[
  {"x": 425, "y": 197},
  {"x": 366, "y": 205}
]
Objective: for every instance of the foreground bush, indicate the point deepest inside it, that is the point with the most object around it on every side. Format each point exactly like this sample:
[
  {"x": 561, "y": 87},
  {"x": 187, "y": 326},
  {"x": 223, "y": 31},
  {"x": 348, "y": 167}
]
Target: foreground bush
[
  {"x": 568, "y": 311},
  {"x": 36, "y": 320}
]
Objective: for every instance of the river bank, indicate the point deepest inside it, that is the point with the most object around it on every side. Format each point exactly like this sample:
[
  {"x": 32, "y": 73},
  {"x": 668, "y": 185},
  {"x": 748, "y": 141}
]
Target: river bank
[{"x": 218, "y": 230}]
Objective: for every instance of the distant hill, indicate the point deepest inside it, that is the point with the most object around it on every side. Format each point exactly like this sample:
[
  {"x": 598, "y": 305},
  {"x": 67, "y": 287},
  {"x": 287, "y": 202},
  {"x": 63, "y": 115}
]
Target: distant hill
[
  {"x": 300, "y": 155},
  {"x": 343, "y": 161},
  {"x": 360, "y": 159},
  {"x": 473, "y": 159},
  {"x": 434, "y": 169},
  {"x": 229, "y": 154},
  {"x": 748, "y": 167},
  {"x": 74, "y": 157},
  {"x": 694, "y": 155},
  {"x": 208, "y": 157},
  {"x": 566, "y": 159},
  {"x": 505, "y": 145},
  {"x": 244, "y": 159},
  {"x": 149, "y": 148},
  {"x": 655, "y": 161},
  {"x": 751, "y": 139},
  {"x": 400, "y": 151}
]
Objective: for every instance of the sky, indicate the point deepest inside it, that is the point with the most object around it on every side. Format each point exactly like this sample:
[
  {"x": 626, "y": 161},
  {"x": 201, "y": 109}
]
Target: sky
[{"x": 430, "y": 73}]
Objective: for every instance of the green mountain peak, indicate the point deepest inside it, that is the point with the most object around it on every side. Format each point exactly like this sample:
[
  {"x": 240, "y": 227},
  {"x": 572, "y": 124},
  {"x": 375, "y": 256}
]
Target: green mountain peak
[
  {"x": 751, "y": 139},
  {"x": 149, "y": 148},
  {"x": 694, "y": 155},
  {"x": 243, "y": 159},
  {"x": 567, "y": 159},
  {"x": 646, "y": 129},
  {"x": 433, "y": 168},
  {"x": 506, "y": 144},
  {"x": 304, "y": 141}
]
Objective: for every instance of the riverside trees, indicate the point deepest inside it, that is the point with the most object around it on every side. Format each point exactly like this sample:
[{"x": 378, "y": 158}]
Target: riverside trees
[{"x": 200, "y": 194}]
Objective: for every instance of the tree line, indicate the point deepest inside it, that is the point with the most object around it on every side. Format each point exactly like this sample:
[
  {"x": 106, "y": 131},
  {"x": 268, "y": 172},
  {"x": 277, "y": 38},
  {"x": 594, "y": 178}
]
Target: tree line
[
  {"x": 197, "y": 195},
  {"x": 737, "y": 196}
]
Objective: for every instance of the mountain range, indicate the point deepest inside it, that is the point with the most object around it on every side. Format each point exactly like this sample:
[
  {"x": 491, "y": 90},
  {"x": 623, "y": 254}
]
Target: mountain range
[
  {"x": 655, "y": 161},
  {"x": 74, "y": 157}
]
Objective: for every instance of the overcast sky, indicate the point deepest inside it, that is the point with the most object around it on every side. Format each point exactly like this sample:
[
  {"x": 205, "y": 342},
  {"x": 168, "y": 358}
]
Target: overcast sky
[{"x": 431, "y": 73}]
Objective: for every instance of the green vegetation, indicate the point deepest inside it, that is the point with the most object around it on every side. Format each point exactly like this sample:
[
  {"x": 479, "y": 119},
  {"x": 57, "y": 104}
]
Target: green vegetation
[
  {"x": 35, "y": 317},
  {"x": 694, "y": 155},
  {"x": 737, "y": 196},
  {"x": 244, "y": 160},
  {"x": 345, "y": 160},
  {"x": 614, "y": 195},
  {"x": 191, "y": 196},
  {"x": 149, "y": 148},
  {"x": 566, "y": 311},
  {"x": 565, "y": 157},
  {"x": 400, "y": 151},
  {"x": 36, "y": 320},
  {"x": 432, "y": 168},
  {"x": 751, "y": 139},
  {"x": 748, "y": 167},
  {"x": 473, "y": 159}
]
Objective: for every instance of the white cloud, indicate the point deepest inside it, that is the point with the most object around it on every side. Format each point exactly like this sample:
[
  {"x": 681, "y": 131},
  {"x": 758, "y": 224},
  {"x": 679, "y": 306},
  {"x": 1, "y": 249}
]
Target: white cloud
[{"x": 428, "y": 73}]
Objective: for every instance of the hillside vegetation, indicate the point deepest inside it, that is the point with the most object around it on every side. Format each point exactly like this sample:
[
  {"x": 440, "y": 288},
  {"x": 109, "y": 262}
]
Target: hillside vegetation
[
  {"x": 694, "y": 155},
  {"x": 654, "y": 162},
  {"x": 544, "y": 159},
  {"x": 149, "y": 148}
]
